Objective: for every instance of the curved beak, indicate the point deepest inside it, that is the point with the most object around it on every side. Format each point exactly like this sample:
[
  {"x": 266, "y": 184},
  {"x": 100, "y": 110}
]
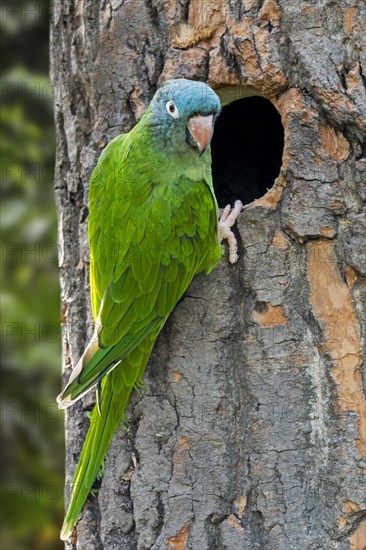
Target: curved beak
[{"x": 201, "y": 128}]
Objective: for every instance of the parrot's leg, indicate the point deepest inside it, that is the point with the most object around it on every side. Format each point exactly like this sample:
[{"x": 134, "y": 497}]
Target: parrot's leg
[{"x": 227, "y": 220}]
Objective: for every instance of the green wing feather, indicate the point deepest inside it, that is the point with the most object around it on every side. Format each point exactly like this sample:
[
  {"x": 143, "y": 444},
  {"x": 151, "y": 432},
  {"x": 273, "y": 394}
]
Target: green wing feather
[{"x": 150, "y": 232}]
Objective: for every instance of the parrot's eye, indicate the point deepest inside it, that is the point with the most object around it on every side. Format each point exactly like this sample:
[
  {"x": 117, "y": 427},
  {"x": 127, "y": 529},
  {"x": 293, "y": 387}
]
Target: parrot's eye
[{"x": 172, "y": 109}]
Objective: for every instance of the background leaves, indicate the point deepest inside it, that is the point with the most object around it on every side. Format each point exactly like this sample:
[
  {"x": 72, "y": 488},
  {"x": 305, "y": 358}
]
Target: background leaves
[{"x": 32, "y": 453}]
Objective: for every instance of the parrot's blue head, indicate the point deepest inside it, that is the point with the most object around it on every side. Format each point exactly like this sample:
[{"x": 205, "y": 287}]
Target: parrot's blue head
[{"x": 182, "y": 115}]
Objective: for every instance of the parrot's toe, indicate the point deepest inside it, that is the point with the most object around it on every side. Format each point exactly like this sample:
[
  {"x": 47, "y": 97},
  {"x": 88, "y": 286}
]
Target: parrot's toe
[{"x": 227, "y": 220}]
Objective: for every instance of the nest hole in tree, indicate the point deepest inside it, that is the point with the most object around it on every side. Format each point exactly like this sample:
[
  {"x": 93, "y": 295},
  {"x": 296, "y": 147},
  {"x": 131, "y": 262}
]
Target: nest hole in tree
[{"x": 247, "y": 148}]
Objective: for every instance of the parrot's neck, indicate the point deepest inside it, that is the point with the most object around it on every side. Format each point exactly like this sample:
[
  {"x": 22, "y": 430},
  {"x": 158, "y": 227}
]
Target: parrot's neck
[{"x": 161, "y": 159}]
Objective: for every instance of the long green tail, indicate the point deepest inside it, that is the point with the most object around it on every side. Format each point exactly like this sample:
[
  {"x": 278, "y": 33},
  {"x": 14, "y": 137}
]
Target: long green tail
[{"x": 116, "y": 390}]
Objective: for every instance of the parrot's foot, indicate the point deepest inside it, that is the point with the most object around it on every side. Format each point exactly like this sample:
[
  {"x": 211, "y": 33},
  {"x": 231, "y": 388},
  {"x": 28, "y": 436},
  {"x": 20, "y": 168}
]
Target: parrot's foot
[{"x": 227, "y": 220}]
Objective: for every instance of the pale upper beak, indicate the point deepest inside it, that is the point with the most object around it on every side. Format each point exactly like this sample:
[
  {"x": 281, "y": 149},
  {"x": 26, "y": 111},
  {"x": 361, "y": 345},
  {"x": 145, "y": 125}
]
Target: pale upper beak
[{"x": 201, "y": 129}]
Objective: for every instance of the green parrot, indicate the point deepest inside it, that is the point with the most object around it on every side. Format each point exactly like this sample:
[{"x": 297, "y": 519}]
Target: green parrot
[{"x": 153, "y": 226}]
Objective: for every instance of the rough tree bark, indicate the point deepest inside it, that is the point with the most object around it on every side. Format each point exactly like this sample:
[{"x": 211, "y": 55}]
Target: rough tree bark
[{"x": 250, "y": 431}]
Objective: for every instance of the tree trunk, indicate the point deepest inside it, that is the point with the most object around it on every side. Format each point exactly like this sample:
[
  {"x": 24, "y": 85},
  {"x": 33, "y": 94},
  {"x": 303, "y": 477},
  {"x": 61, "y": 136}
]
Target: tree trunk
[{"x": 250, "y": 431}]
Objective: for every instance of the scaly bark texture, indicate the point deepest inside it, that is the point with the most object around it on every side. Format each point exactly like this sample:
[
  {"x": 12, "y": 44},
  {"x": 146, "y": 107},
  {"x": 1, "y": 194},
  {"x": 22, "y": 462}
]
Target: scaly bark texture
[{"x": 250, "y": 431}]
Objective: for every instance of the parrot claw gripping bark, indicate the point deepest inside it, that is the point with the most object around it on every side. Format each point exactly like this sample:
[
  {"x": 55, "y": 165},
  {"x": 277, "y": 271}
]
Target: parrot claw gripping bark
[
  {"x": 152, "y": 227},
  {"x": 227, "y": 220}
]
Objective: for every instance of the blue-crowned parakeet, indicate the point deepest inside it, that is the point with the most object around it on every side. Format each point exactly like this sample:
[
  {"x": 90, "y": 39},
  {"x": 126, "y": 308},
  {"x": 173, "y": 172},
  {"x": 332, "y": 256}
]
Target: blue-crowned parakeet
[{"x": 153, "y": 226}]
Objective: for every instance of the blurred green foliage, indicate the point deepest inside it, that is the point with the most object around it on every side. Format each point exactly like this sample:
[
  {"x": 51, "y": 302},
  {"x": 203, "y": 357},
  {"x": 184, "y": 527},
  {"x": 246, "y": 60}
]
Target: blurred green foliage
[{"x": 32, "y": 449}]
